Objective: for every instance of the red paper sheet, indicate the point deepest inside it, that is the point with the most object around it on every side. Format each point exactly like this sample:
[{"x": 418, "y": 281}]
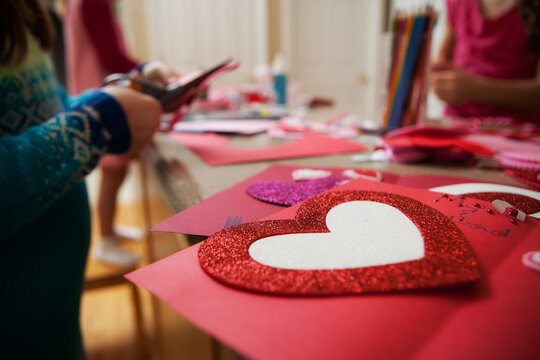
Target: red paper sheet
[
  {"x": 215, "y": 150},
  {"x": 212, "y": 214},
  {"x": 496, "y": 319}
]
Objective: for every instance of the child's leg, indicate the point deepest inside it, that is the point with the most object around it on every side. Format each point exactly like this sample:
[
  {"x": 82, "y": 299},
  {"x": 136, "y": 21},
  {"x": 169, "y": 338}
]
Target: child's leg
[
  {"x": 111, "y": 180},
  {"x": 108, "y": 250}
]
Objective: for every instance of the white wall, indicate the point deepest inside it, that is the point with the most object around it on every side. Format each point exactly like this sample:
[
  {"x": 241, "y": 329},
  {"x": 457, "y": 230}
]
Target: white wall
[
  {"x": 333, "y": 46},
  {"x": 193, "y": 34}
]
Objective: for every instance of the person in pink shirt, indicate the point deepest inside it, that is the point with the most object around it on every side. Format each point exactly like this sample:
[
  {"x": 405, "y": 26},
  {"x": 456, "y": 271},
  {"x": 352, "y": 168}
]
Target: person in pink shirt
[
  {"x": 95, "y": 48},
  {"x": 489, "y": 62}
]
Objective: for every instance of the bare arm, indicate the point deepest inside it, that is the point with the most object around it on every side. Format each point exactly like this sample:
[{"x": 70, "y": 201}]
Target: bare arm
[
  {"x": 456, "y": 86},
  {"x": 447, "y": 46},
  {"x": 518, "y": 94}
]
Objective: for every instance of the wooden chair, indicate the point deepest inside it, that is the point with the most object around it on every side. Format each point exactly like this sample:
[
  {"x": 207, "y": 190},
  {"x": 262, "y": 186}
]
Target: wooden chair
[{"x": 99, "y": 276}]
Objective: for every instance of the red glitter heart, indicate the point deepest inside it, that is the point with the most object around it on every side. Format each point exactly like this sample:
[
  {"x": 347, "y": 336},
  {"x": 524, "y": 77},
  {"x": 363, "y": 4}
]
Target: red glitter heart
[{"x": 448, "y": 259}]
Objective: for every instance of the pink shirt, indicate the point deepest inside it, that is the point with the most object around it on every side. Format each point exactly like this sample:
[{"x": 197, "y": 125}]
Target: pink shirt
[
  {"x": 495, "y": 48},
  {"x": 94, "y": 44}
]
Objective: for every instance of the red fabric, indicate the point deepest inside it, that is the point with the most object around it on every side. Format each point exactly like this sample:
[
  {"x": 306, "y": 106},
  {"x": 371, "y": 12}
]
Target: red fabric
[
  {"x": 105, "y": 34},
  {"x": 494, "y": 48}
]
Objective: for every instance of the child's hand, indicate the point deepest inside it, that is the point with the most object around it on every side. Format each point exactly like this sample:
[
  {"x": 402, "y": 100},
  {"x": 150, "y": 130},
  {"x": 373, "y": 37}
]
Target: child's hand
[
  {"x": 160, "y": 73},
  {"x": 452, "y": 85},
  {"x": 142, "y": 114},
  {"x": 441, "y": 65}
]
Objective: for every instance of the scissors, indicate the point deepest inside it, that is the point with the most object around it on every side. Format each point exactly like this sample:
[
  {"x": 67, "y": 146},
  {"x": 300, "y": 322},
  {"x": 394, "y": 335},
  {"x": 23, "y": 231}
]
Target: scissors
[{"x": 171, "y": 97}]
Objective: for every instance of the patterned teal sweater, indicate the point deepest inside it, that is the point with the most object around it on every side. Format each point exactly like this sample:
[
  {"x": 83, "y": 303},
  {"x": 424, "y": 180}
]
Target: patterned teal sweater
[{"x": 44, "y": 215}]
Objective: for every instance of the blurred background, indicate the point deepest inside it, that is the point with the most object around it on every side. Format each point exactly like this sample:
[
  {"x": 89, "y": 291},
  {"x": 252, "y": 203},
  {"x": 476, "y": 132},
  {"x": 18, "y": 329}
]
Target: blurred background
[{"x": 331, "y": 48}]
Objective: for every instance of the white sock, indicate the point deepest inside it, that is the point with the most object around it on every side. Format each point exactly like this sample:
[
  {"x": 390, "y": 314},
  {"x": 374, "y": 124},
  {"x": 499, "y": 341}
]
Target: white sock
[
  {"x": 128, "y": 232},
  {"x": 110, "y": 252}
]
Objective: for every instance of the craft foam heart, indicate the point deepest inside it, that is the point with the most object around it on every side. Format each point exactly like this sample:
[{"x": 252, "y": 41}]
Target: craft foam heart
[
  {"x": 290, "y": 193},
  {"x": 447, "y": 258},
  {"x": 532, "y": 260},
  {"x": 307, "y": 174},
  {"x": 523, "y": 199},
  {"x": 355, "y": 240}
]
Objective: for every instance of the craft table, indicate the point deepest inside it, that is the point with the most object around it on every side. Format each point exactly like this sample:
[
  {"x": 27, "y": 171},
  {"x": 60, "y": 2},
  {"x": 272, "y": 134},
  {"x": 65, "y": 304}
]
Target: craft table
[{"x": 184, "y": 180}]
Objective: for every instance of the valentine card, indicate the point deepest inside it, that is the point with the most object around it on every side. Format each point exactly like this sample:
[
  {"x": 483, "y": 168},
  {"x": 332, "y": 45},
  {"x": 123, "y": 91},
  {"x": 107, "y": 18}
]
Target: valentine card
[
  {"x": 429, "y": 276},
  {"x": 215, "y": 149},
  {"x": 270, "y": 190}
]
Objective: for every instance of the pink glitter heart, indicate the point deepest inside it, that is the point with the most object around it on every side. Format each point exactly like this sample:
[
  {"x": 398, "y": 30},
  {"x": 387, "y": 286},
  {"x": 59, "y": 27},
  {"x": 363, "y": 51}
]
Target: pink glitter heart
[{"x": 290, "y": 193}]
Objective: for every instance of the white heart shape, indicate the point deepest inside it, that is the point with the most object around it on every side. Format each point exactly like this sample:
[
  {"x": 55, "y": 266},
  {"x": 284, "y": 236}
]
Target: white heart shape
[
  {"x": 471, "y": 188},
  {"x": 362, "y": 233}
]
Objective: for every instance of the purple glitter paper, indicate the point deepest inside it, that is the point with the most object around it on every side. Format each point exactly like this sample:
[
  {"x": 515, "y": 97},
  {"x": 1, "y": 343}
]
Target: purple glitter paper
[{"x": 289, "y": 193}]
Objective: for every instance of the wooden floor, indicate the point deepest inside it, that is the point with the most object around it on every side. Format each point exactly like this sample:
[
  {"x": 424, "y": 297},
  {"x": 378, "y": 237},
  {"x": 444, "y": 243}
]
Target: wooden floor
[{"x": 107, "y": 318}]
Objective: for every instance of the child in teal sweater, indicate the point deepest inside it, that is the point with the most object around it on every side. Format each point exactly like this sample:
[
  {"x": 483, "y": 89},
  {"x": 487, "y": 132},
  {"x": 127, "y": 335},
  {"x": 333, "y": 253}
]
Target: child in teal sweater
[{"x": 45, "y": 152}]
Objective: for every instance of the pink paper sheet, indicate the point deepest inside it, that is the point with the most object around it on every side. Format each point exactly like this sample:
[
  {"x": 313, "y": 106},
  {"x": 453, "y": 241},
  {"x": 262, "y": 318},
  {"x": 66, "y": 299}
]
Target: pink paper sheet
[
  {"x": 212, "y": 214},
  {"x": 496, "y": 319},
  {"x": 215, "y": 150}
]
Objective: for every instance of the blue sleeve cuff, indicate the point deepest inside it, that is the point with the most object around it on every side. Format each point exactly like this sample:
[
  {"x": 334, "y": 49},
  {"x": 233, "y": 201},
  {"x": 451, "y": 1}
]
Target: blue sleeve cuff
[
  {"x": 75, "y": 100},
  {"x": 113, "y": 120}
]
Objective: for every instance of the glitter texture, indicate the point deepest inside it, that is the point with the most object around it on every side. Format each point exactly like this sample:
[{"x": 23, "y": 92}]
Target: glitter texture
[
  {"x": 448, "y": 259},
  {"x": 529, "y": 177},
  {"x": 290, "y": 193},
  {"x": 524, "y": 203}
]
